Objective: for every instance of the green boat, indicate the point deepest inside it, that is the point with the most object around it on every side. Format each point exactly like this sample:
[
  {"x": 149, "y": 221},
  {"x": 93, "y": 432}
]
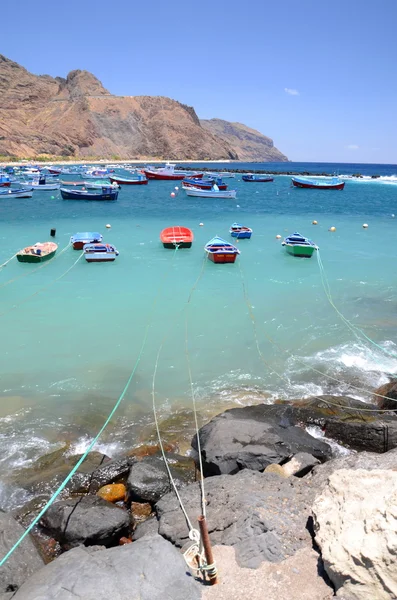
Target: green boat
[
  {"x": 297, "y": 245},
  {"x": 37, "y": 253}
]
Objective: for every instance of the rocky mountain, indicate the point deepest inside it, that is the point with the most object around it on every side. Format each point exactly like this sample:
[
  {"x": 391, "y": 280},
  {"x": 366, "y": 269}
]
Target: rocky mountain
[
  {"x": 77, "y": 116},
  {"x": 249, "y": 144}
]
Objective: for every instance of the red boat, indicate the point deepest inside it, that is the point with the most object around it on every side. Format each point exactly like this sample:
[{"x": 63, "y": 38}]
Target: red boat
[
  {"x": 140, "y": 180},
  {"x": 176, "y": 237},
  {"x": 5, "y": 183},
  {"x": 202, "y": 185},
  {"x": 168, "y": 173},
  {"x": 219, "y": 251},
  {"x": 55, "y": 171},
  {"x": 333, "y": 184}
]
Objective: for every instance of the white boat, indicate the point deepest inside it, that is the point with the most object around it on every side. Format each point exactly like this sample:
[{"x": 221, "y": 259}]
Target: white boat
[
  {"x": 223, "y": 175},
  {"x": 98, "y": 185},
  {"x": 96, "y": 173},
  {"x": 215, "y": 192},
  {"x": 41, "y": 184},
  {"x": 21, "y": 193},
  {"x": 98, "y": 252}
]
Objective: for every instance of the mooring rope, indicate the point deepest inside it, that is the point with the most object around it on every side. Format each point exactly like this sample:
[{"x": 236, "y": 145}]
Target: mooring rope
[
  {"x": 9, "y": 260},
  {"x": 96, "y": 438},
  {"x": 356, "y": 330}
]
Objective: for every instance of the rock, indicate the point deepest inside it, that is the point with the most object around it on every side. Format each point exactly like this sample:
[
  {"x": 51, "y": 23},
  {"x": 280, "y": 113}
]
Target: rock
[
  {"x": 88, "y": 520},
  {"x": 296, "y": 578},
  {"x": 149, "y": 569},
  {"x": 299, "y": 465},
  {"x": 140, "y": 511},
  {"x": 110, "y": 472},
  {"x": 148, "y": 527},
  {"x": 355, "y": 521},
  {"x": 252, "y": 438},
  {"x": 389, "y": 390},
  {"x": 24, "y": 561},
  {"x": 150, "y": 449},
  {"x": 148, "y": 480},
  {"x": 114, "y": 492},
  {"x": 263, "y": 516}
]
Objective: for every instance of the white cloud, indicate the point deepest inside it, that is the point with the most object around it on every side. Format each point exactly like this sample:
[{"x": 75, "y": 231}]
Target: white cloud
[
  {"x": 352, "y": 147},
  {"x": 291, "y": 92}
]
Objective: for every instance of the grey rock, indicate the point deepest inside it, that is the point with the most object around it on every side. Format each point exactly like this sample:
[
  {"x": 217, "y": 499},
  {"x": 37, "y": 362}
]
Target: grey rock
[
  {"x": 24, "y": 561},
  {"x": 148, "y": 480},
  {"x": 88, "y": 520},
  {"x": 254, "y": 437},
  {"x": 148, "y": 527},
  {"x": 113, "y": 471},
  {"x": 262, "y": 515},
  {"x": 149, "y": 569},
  {"x": 301, "y": 464},
  {"x": 7, "y": 596}
]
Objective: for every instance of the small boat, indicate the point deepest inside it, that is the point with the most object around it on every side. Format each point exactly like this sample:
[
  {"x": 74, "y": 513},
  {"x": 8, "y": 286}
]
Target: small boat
[
  {"x": 98, "y": 185},
  {"x": 42, "y": 185},
  {"x": 100, "y": 252},
  {"x": 5, "y": 181},
  {"x": 168, "y": 173},
  {"x": 257, "y": 178},
  {"x": 176, "y": 236},
  {"x": 203, "y": 184},
  {"x": 297, "y": 245},
  {"x": 39, "y": 252},
  {"x": 79, "y": 240},
  {"x": 54, "y": 171},
  {"x": 139, "y": 180},
  {"x": 224, "y": 175},
  {"x": 20, "y": 193},
  {"x": 332, "y": 184},
  {"x": 240, "y": 231},
  {"x": 94, "y": 173},
  {"x": 214, "y": 192},
  {"x": 107, "y": 193},
  {"x": 220, "y": 251}
]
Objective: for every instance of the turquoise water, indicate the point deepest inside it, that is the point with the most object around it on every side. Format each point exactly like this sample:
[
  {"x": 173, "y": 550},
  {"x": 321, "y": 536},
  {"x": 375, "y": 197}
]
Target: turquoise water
[{"x": 71, "y": 337}]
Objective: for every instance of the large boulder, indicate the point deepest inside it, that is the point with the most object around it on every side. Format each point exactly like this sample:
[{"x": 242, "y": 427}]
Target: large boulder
[
  {"x": 149, "y": 569},
  {"x": 148, "y": 480},
  {"x": 263, "y": 515},
  {"x": 88, "y": 520},
  {"x": 90, "y": 481},
  {"x": 24, "y": 561},
  {"x": 385, "y": 396},
  {"x": 252, "y": 438},
  {"x": 356, "y": 529}
]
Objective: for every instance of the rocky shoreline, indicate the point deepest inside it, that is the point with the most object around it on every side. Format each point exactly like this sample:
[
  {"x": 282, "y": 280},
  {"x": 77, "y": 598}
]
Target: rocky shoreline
[{"x": 289, "y": 515}]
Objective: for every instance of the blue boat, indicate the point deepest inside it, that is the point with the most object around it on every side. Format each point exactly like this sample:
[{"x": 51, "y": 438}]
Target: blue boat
[
  {"x": 107, "y": 193},
  {"x": 257, "y": 178},
  {"x": 4, "y": 181},
  {"x": 203, "y": 184},
  {"x": 318, "y": 184},
  {"x": 240, "y": 231},
  {"x": 78, "y": 240}
]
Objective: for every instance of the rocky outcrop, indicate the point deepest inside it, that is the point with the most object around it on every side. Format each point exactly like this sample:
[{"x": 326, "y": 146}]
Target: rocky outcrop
[
  {"x": 148, "y": 480},
  {"x": 386, "y": 395},
  {"x": 149, "y": 569},
  {"x": 88, "y": 520},
  {"x": 23, "y": 562},
  {"x": 356, "y": 530},
  {"x": 250, "y": 144}
]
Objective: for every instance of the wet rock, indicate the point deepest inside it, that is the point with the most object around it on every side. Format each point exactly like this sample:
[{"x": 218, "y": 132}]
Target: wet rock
[
  {"x": 148, "y": 480},
  {"x": 111, "y": 471},
  {"x": 89, "y": 520},
  {"x": 23, "y": 562},
  {"x": 114, "y": 492},
  {"x": 254, "y": 437},
  {"x": 149, "y": 569},
  {"x": 140, "y": 511},
  {"x": 355, "y": 521},
  {"x": 389, "y": 390},
  {"x": 262, "y": 515},
  {"x": 150, "y": 449}
]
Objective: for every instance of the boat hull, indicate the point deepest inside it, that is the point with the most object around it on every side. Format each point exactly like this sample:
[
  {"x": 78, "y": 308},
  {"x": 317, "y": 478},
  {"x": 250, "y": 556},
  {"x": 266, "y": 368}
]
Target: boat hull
[
  {"x": 221, "y": 258},
  {"x": 300, "y": 251},
  {"x": 202, "y": 186},
  {"x": 33, "y": 258},
  {"x": 128, "y": 181},
  {"x": 257, "y": 180},
  {"x": 321, "y": 186},
  {"x": 241, "y": 235},
  {"x": 176, "y": 237},
  {"x": 100, "y": 257},
  {"x": 173, "y": 245},
  {"x": 75, "y": 195},
  {"x": 196, "y": 193},
  {"x": 163, "y": 176},
  {"x": 5, "y": 184}
]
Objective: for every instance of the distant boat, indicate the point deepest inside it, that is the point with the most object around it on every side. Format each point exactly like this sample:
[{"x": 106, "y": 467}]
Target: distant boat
[
  {"x": 100, "y": 252},
  {"x": 78, "y": 240},
  {"x": 214, "y": 192},
  {"x": 219, "y": 251},
  {"x": 98, "y": 185},
  {"x": 5, "y": 181},
  {"x": 54, "y": 171},
  {"x": 203, "y": 184},
  {"x": 240, "y": 231},
  {"x": 95, "y": 172},
  {"x": 39, "y": 252},
  {"x": 19, "y": 193},
  {"x": 298, "y": 245},
  {"x": 333, "y": 184},
  {"x": 41, "y": 184},
  {"x": 257, "y": 178},
  {"x": 168, "y": 173},
  {"x": 176, "y": 236},
  {"x": 139, "y": 180},
  {"x": 223, "y": 175},
  {"x": 107, "y": 194}
]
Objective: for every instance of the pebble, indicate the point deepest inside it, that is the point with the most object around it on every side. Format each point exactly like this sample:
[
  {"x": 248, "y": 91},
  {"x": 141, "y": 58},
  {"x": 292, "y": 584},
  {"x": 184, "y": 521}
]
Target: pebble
[{"x": 113, "y": 492}]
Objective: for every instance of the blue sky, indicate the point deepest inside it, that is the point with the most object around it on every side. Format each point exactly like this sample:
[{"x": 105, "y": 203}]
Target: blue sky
[{"x": 319, "y": 77}]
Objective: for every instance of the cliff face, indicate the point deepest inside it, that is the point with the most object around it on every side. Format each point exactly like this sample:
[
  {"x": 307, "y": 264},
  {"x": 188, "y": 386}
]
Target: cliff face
[
  {"x": 78, "y": 117},
  {"x": 248, "y": 143}
]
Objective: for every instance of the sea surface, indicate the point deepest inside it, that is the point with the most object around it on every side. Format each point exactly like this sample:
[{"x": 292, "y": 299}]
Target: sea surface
[{"x": 262, "y": 328}]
